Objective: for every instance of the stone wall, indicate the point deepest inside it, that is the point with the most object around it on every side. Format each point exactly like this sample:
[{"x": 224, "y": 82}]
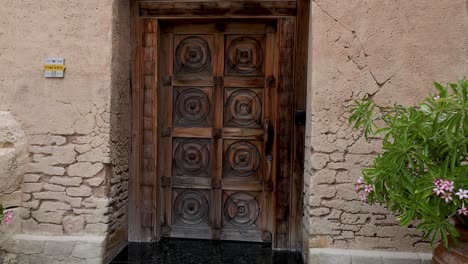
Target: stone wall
[
  {"x": 391, "y": 51},
  {"x": 74, "y": 188},
  {"x": 13, "y": 158}
]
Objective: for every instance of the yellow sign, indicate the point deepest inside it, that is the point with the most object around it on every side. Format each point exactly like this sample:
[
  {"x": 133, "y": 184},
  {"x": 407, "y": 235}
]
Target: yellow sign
[{"x": 54, "y": 67}]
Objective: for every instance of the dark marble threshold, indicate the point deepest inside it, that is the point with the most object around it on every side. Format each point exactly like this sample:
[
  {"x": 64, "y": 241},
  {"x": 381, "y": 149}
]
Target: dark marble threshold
[{"x": 186, "y": 251}]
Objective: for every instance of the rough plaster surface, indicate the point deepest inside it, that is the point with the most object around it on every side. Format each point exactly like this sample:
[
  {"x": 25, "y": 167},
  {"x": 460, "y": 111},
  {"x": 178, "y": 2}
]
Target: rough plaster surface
[
  {"x": 75, "y": 182},
  {"x": 391, "y": 51},
  {"x": 78, "y": 127},
  {"x": 13, "y": 158}
]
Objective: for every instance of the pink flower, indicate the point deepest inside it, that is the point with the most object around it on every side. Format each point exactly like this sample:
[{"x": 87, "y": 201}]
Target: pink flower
[
  {"x": 462, "y": 194},
  {"x": 363, "y": 197},
  {"x": 444, "y": 187},
  {"x": 357, "y": 187},
  {"x": 438, "y": 190},
  {"x": 463, "y": 210},
  {"x": 447, "y": 197},
  {"x": 368, "y": 188},
  {"x": 448, "y": 185},
  {"x": 8, "y": 218},
  {"x": 360, "y": 180}
]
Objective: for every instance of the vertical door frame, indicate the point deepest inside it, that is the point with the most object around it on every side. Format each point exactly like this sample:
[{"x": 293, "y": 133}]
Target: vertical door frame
[{"x": 144, "y": 214}]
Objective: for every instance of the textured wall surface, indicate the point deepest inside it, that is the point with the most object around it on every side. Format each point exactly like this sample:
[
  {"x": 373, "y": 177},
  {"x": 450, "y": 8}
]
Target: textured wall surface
[
  {"x": 391, "y": 51},
  {"x": 71, "y": 181},
  {"x": 77, "y": 128}
]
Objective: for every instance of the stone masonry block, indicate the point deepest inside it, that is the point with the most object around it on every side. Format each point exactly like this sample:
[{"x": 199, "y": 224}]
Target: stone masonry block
[
  {"x": 328, "y": 256},
  {"x": 82, "y": 148},
  {"x": 73, "y": 224},
  {"x": 84, "y": 169},
  {"x": 82, "y": 191},
  {"x": 48, "y": 217},
  {"x": 319, "y": 160},
  {"x": 366, "y": 259},
  {"x": 402, "y": 258},
  {"x": 34, "y": 204},
  {"x": 44, "y": 140},
  {"x": 96, "y": 181},
  {"x": 49, "y": 206},
  {"x": 31, "y": 178},
  {"x": 45, "y": 168},
  {"x": 31, "y": 187},
  {"x": 60, "y": 155},
  {"x": 13, "y": 199},
  {"x": 66, "y": 181},
  {"x": 59, "y": 249},
  {"x": 73, "y": 260},
  {"x": 87, "y": 250},
  {"x": 95, "y": 155},
  {"x": 53, "y": 187},
  {"x": 59, "y": 196},
  {"x": 343, "y": 256},
  {"x": 324, "y": 176},
  {"x": 31, "y": 227},
  {"x": 98, "y": 228},
  {"x": 18, "y": 245},
  {"x": 426, "y": 258}
]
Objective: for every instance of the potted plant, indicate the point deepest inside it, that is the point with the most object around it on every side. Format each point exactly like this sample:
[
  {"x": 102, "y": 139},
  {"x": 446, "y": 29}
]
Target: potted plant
[{"x": 422, "y": 173}]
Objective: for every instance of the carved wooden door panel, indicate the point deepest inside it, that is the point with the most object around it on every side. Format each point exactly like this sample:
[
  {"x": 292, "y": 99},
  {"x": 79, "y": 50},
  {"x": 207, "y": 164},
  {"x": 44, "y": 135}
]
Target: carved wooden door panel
[{"x": 217, "y": 110}]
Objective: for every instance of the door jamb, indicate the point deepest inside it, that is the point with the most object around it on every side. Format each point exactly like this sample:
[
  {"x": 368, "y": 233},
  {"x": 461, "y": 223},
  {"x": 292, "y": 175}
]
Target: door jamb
[{"x": 143, "y": 189}]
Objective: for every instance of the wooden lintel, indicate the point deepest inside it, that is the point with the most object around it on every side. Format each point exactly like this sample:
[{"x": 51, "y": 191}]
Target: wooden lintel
[{"x": 221, "y": 8}]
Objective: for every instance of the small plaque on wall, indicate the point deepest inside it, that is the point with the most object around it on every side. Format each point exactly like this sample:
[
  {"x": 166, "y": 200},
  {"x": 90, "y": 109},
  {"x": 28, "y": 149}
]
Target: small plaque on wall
[{"x": 54, "y": 67}]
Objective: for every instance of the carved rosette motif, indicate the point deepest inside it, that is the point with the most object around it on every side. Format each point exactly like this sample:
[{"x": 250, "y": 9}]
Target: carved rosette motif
[
  {"x": 193, "y": 55},
  {"x": 243, "y": 109},
  {"x": 192, "y": 108},
  {"x": 241, "y": 209},
  {"x": 191, "y": 157},
  {"x": 191, "y": 207},
  {"x": 242, "y": 159},
  {"x": 244, "y": 57}
]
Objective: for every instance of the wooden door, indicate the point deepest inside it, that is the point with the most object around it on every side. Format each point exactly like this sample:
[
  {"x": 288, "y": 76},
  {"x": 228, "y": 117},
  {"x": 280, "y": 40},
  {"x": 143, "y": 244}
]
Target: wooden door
[{"x": 217, "y": 109}]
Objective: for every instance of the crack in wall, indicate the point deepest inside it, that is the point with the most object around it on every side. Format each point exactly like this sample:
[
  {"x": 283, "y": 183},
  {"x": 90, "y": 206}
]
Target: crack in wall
[{"x": 355, "y": 36}]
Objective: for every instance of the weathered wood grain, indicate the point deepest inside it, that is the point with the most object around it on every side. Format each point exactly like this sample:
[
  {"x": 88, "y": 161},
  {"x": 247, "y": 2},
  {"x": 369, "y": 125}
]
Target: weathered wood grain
[{"x": 218, "y": 8}]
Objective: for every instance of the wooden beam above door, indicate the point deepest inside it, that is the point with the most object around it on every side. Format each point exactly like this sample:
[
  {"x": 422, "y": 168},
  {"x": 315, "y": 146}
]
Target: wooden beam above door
[{"x": 227, "y": 9}]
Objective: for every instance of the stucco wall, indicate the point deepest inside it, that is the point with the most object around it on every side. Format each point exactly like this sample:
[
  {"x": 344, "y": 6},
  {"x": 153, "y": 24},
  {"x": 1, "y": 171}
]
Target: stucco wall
[
  {"x": 74, "y": 189},
  {"x": 391, "y": 51},
  {"x": 75, "y": 184}
]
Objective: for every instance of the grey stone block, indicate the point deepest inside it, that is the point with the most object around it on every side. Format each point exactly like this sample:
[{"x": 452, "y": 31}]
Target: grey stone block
[
  {"x": 343, "y": 256},
  {"x": 401, "y": 258},
  {"x": 334, "y": 258},
  {"x": 369, "y": 259},
  {"x": 426, "y": 258}
]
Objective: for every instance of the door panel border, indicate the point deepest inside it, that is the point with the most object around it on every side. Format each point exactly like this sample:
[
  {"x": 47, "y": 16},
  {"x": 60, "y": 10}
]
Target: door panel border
[{"x": 292, "y": 23}]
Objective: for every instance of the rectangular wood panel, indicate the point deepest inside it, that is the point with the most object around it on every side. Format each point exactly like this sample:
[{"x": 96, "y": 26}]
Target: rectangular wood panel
[{"x": 214, "y": 132}]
